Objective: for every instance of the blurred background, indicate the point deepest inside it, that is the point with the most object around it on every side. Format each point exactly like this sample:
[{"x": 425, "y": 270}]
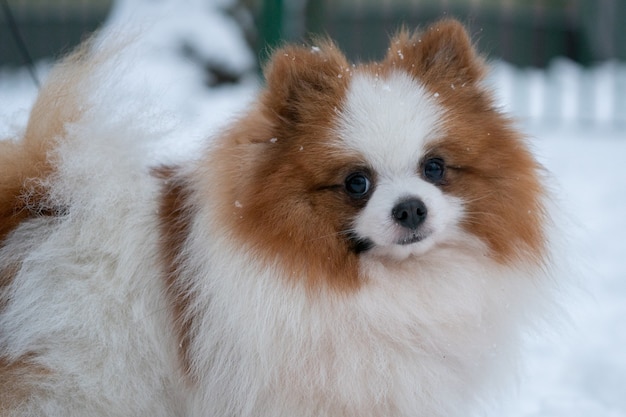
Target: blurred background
[
  {"x": 526, "y": 35},
  {"x": 522, "y": 32},
  {"x": 558, "y": 66}
]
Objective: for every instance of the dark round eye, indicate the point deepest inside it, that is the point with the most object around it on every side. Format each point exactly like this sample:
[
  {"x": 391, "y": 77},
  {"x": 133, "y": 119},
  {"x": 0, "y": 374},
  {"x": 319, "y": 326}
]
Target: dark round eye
[
  {"x": 434, "y": 170},
  {"x": 357, "y": 185}
]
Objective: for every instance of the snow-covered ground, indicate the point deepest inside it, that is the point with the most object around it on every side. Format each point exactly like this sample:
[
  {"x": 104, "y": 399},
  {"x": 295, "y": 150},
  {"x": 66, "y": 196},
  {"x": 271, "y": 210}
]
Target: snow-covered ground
[
  {"x": 578, "y": 370},
  {"x": 581, "y": 370}
]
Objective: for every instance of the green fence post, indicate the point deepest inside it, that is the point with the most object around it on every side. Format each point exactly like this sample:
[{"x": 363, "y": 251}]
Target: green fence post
[
  {"x": 314, "y": 15},
  {"x": 271, "y": 27}
]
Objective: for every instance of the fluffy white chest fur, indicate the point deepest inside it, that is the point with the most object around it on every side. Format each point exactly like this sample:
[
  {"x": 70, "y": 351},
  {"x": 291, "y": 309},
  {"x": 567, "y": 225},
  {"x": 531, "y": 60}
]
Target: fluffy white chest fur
[{"x": 368, "y": 240}]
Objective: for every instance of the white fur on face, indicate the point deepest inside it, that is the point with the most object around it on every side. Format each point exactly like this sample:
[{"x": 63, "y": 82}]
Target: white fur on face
[{"x": 390, "y": 122}]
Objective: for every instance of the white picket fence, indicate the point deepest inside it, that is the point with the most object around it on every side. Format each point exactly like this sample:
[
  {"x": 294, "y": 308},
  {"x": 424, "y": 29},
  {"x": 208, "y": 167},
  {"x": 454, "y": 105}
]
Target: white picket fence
[{"x": 563, "y": 94}]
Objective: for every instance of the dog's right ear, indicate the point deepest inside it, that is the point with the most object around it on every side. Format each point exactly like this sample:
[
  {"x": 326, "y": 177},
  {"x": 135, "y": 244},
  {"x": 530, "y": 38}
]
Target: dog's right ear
[
  {"x": 301, "y": 81},
  {"x": 443, "y": 53}
]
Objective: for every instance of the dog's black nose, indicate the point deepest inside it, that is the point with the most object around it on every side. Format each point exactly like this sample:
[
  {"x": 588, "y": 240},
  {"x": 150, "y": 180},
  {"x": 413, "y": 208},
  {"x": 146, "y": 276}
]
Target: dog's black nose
[{"x": 410, "y": 213}]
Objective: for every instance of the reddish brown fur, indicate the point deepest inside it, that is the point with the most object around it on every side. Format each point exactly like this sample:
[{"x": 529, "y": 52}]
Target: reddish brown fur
[
  {"x": 21, "y": 165},
  {"x": 282, "y": 184},
  {"x": 17, "y": 379},
  {"x": 491, "y": 168},
  {"x": 175, "y": 217},
  {"x": 497, "y": 179}
]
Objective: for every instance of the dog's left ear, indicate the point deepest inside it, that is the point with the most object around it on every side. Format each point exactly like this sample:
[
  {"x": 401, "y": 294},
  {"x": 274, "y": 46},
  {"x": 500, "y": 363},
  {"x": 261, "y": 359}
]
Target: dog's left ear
[
  {"x": 443, "y": 52},
  {"x": 302, "y": 80}
]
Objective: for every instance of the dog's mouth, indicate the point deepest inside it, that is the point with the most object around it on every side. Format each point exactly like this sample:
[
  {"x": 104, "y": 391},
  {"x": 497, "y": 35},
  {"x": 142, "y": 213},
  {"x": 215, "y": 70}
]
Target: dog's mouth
[
  {"x": 361, "y": 244},
  {"x": 410, "y": 239},
  {"x": 413, "y": 237}
]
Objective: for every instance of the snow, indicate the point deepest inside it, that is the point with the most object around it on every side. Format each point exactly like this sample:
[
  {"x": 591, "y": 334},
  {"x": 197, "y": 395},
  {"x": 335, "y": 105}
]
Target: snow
[
  {"x": 575, "y": 118},
  {"x": 564, "y": 93},
  {"x": 191, "y": 58},
  {"x": 582, "y": 370}
]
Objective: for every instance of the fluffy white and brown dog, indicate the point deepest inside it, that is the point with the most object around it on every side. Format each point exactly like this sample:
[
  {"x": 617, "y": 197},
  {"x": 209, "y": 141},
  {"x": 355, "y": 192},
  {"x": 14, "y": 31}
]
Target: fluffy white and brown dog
[{"x": 368, "y": 240}]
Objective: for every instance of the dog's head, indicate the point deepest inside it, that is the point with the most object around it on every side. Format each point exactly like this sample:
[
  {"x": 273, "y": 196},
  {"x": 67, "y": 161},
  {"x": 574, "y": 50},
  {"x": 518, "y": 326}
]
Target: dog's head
[{"x": 386, "y": 160}]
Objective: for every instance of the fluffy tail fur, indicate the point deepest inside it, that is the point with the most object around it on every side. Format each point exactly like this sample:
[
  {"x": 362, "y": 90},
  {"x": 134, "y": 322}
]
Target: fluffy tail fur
[
  {"x": 25, "y": 162},
  {"x": 76, "y": 109}
]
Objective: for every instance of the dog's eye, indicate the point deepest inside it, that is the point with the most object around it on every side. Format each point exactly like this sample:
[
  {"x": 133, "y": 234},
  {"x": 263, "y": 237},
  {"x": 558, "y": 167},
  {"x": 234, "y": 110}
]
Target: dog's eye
[
  {"x": 357, "y": 185},
  {"x": 434, "y": 170}
]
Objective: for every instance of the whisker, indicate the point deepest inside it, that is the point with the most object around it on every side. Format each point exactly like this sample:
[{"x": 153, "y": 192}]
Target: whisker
[{"x": 479, "y": 198}]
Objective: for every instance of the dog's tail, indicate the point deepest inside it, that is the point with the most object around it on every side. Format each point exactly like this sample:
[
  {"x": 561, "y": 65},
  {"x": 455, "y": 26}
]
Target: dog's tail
[
  {"x": 69, "y": 135},
  {"x": 25, "y": 162},
  {"x": 21, "y": 164}
]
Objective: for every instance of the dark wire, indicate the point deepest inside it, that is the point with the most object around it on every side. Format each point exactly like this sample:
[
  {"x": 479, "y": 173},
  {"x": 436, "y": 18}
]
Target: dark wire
[{"x": 19, "y": 41}]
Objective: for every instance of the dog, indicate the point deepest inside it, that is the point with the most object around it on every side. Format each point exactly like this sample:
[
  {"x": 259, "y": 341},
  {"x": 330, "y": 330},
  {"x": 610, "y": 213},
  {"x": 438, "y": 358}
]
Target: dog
[{"x": 366, "y": 240}]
